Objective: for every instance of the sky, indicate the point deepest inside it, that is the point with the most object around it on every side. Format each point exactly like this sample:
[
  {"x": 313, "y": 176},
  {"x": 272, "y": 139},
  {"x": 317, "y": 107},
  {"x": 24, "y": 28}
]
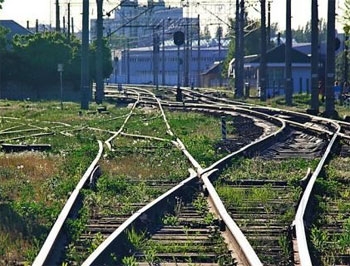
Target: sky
[{"x": 44, "y": 10}]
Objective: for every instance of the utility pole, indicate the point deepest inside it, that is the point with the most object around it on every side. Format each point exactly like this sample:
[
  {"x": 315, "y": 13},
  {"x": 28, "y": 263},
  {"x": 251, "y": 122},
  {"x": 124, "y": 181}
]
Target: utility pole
[
  {"x": 68, "y": 21},
  {"x": 241, "y": 49},
  {"x": 58, "y": 28},
  {"x": 237, "y": 74},
  {"x": 99, "y": 54},
  {"x": 346, "y": 52},
  {"x": 155, "y": 59},
  {"x": 268, "y": 39},
  {"x": 199, "y": 54},
  {"x": 163, "y": 52},
  {"x": 72, "y": 26},
  {"x": 187, "y": 48},
  {"x": 219, "y": 42},
  {"x": 128, "y": 59},
  {"x": 288, "y": 57},
  {"x": 85, "y": 79},
  {"x": 64, "y": 24},
  {"x": 330, "y": 61},
  {"x": 314, "y": 58},
  {"x": 262, "y": 68}
]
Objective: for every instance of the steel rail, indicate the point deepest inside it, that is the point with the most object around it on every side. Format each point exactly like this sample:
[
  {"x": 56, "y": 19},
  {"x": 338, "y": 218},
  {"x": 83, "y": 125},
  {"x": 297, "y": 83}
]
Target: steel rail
[
  {"x": 243, "y": 249},
  {"x": 49, "y": 252},
  {"x": 299, "y": 224},
  {"x": 27, "y": 136},
  {"x": 257, "y": 107},
  {"x": 155, "y": 208},
  {"x": 290, "y": 122},
  {"x": 246, "y": 252},
  {"x": 299, "y": 221},
  {"x": 145, "y": 137},
  {"x": 146, "y": 91},
  {"x": 108, "y": 141}
]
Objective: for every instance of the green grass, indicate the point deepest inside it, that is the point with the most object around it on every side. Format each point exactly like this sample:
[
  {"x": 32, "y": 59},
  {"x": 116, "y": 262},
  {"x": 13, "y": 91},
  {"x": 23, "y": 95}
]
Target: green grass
[
  {"x": 259, "y": 168},
  {"x": 35, "y": 185},
  {"x": 333, "y": 197}
]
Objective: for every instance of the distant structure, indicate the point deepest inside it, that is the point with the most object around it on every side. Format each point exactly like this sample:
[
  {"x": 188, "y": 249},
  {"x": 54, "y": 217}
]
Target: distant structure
[
  {"x": 146, "y": 52},
  {"x": 138, "y": 24},
  {"x": 138, "y": 65},
  {"x": 14, "y": 28}
]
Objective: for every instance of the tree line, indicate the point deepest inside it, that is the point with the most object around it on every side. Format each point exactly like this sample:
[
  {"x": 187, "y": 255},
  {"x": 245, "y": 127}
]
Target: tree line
[{"x": 33, "y": 59}]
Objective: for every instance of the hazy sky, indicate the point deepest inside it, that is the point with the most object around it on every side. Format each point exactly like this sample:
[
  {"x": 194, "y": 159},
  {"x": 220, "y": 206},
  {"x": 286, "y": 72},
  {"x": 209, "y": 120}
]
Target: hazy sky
[{"x": 44, "y": 10}]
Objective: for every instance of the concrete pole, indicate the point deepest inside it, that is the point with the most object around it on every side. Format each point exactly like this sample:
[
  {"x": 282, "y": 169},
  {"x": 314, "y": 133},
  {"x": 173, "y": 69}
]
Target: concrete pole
[
  {"x": 85, "y": 79},
  {"x": 288, "y": 55},
  {"x": 330, "y": 62},
  {"x": 68, "y": 21},
  {"x": 199, "y": 54},
  {"x": 58, "y": 28},
  {"x": 237, "y": 75},
  {"x": 314, "y": 58},
  {"x": 241, "y": 49},
  {"x": 262, "y": 68},
  {"x": 99, "y": 53}
]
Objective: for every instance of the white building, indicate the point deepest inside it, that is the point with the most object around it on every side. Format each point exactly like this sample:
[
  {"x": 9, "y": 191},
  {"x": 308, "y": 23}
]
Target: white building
[{"x": 167, "y": 66}]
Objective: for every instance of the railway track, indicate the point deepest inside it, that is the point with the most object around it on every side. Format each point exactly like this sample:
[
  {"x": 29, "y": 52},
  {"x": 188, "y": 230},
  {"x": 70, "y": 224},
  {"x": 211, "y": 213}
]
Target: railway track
[
  {"x": 264, "y": 215},
  {"x": 189, "y": 235},
  {"x": 105, "y": 215},
  {"x": 185, "y": 210},
  {"x": 330, "y": 229}
]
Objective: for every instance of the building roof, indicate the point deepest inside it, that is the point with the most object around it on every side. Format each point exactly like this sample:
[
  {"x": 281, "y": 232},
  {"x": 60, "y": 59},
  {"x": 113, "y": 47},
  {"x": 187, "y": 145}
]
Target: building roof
[
  {"x": 277, "y": 55},
  {"x": 215, "y": 68},
  {"x": 14, "y": 28}
]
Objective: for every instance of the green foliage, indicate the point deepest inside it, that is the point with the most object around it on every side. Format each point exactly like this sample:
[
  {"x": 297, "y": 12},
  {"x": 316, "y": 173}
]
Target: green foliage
[
  {"x": 319, "y": 239},
  {"x": 201, "y": 205},
  {"x": 77, "y": 226},
  {"x": 303, "y": 33},
  {"x": 344, "y": 238},
  {"x": 258, "y": 168},
  {"x": 285, "y": 246},
  {"x": 129, "y": 261},
  {"x": 40, "y": 53},
  {"x": 346, "y": 17},
  {"x": 205, "y": 34},
  {"x": 97, "y": 240},
  {"x": 169, "y": 219},
  {"x": 107, "y": 60},
  {"x": 3, "y": 41},
  {"x": 115, "y": 186},
  {"x": 137, "y": 240},
  {"x": 36, "y": 57}
]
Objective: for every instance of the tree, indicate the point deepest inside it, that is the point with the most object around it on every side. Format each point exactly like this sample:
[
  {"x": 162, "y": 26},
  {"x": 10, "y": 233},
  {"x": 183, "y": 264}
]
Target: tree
[
  {"x": 342, "y": 60},
  {"x": 303, "y": 33},
  {"x": 346, "y": 16},
  {"x": 39, "y": 55},
  {"x": 206, "y": 33},
  {"x": 107, "y": 60},
  {"x": 3, "y": 40},
  {"x": 1, "y": 1},
  {"x": 231, "y": 49},
  {"x": 251, "y": 46},
  {"x": 7, "y": 58}
]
